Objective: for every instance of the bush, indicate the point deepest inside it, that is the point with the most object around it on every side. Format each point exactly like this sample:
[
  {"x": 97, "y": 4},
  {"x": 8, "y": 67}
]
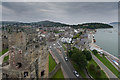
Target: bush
[
  {"x": 119, "y": 75},
  {"x": 98, "y": 67},
  {"x": 92, "y": 67},
  {"x": 103, "y": 54},
  {"x": 98, "y": 73},
  {"x": 95, "y": 51}
]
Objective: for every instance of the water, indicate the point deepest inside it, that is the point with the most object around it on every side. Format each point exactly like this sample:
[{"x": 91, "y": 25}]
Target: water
[{"x": 107, "y": 39}]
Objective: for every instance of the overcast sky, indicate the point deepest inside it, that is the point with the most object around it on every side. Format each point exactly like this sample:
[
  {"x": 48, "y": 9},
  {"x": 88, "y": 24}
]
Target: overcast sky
[
  {"x": 59, "y": 0},
  {"x": 66, "y": 12}
]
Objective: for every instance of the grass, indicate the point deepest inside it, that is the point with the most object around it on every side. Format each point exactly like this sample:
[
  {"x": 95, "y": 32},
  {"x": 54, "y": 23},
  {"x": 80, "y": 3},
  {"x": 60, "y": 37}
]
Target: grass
[
  {"x": 6, "y": 58},
  {"x": 3, "y": 52},
  {"x": 52, "y": 63},
  {"x": 59, "y": 74},
  {"x": 108, "y": 64},
  {"x": 81, "y": 72},
  {"x": 103, "y": 75}
]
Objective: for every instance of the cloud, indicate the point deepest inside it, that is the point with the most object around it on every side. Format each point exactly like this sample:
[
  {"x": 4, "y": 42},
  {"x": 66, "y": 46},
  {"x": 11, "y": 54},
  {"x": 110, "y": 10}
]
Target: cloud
[
  {"x": 60, "y": 0},
  {"x": 67, "y": 12}
]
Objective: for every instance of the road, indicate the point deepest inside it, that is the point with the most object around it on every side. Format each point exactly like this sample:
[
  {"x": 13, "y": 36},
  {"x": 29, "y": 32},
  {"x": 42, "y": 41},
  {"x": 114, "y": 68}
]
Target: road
[
  {"x": 68, "y": 68},
  {"x": 105, "y": 69},
  {"x": 62, "y": 50}
]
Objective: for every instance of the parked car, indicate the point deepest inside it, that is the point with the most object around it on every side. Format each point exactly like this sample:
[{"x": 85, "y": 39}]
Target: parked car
[
  {"x": 66, "y": 59},
  {"x": 76, "y": 74}
]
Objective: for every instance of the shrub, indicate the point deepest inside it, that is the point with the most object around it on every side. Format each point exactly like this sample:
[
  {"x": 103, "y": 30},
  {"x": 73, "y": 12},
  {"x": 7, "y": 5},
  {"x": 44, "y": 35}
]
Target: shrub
[
  {"x": 103, "y": 54},
  {"x": 98, "y": 67},
  {"x": 95, "y": 51},
  {"x": 98, "y": 73},
  {"x": 92, "y": 67}
]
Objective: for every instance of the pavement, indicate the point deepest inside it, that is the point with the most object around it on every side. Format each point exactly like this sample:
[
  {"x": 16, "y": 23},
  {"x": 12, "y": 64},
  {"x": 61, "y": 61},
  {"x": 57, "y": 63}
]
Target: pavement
[{"x": 117, "y": 67}]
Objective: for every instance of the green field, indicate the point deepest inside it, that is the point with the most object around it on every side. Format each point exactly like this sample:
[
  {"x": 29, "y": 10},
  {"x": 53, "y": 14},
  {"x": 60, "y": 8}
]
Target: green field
[
  {"x": 108, "y": 64},
  {"x": 58, "y": 74},
  {"x": 52, "y": 63},
  {"x": 103, "y": 75}
]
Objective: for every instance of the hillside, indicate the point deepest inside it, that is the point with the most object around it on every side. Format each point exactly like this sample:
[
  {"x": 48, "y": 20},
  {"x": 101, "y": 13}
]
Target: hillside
[
  {"x": 58, "y": 24},
  {"x": 115, "y": 23},
  {"x": 49, "y": 24},
  {"x": 95, "y": 25}
]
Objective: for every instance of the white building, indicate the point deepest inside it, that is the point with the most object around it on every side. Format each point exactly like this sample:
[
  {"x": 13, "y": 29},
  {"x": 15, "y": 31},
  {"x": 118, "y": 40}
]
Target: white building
[{"x": 66, "y": 40}]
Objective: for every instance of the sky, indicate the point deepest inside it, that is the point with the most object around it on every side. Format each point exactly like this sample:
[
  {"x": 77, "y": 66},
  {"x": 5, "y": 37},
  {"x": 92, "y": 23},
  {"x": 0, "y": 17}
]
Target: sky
[
  {"x": 65, "y": 12},
  {"x": 59, "y": 0}
]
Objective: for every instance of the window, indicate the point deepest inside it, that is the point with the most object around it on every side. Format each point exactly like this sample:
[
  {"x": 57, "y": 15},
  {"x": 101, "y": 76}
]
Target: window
[
  {"x": 18, "y": 65},
  {"x": 42, "y": 73},
  {"x": 25, "y": 74},
  {"x": 26, "y": 48}
]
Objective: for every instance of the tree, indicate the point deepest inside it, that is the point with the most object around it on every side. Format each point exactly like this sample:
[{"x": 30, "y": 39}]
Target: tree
[
  {"x": 70, "y": 53},
  {"x": 74, "y": 50},
  {"x": 87, "y": 54},
  {"x": 79, "y": 58},
  {"x": 95, "y": 51}
]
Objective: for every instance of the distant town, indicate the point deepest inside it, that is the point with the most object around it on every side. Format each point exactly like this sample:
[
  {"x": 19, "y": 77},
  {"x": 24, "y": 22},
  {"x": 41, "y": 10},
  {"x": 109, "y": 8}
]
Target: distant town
[{"x": 48, "y": 49}]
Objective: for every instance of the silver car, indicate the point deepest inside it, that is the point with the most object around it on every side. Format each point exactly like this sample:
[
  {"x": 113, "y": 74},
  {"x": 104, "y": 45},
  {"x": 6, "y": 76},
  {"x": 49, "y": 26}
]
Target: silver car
[
  {"x": 66, "y": 59},
  {"x": 76, "y": 73}
]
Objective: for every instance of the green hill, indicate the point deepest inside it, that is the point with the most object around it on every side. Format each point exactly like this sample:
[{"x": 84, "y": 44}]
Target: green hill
[{"x": 58, "y": 24}]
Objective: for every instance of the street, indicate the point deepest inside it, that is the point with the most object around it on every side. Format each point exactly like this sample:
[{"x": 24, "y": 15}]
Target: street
[
  {"x": 105, "y": 69},
  {"x": 68, "y": 68}
]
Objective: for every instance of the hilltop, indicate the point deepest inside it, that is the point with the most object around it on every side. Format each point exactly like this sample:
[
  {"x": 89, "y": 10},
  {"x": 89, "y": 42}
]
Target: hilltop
[
  {"x": 58, "y": 24},
  {"x": 115, "y": 23}
]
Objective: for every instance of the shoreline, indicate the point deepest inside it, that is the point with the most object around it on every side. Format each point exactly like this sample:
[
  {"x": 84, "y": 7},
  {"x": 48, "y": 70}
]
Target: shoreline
[
  {"x": 114, "y": 60},
  {"x": 98, "y": 48}
]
